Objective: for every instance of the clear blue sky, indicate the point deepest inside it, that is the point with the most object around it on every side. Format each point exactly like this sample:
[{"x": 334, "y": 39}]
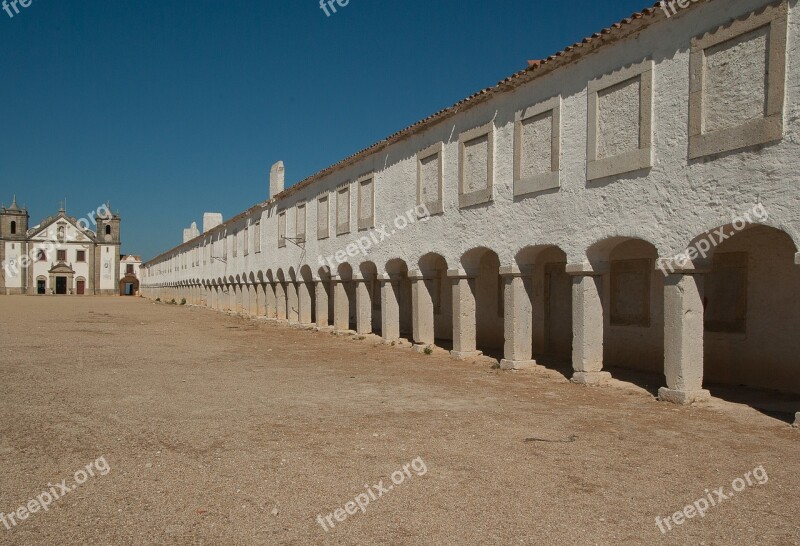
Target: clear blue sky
[{"x": 169, "y": 108}]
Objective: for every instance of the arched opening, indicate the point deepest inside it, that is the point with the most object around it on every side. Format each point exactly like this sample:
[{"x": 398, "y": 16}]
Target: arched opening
[
  {"x": 292, "y": 297},
  {"x": 625, "y": 296},
  {"x": 128, "y": 286},
  {"x": 108, "y": 230},
  {"x": 281, "y": 308},
  {"x": 307, "y": 296},
  {"x": 368, "y": 299},
  {"x": 483, "y": 268},
  {"x": 344, "y": 299},
  {"x": 551, "y": 305},
  {"x": 433, "y": 303},
  {"x": 324, "y": 298},
  {"x": 41, "y": 285},
  {"x": 13, "y": 227},
  {"x": 752, "y": 311},
  {"x": 634, "y": 337},
  {"x": 396, "y": 293}
]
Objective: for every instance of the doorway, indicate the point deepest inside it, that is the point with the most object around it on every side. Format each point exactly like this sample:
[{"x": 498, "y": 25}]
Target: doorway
[
  {"x": 80, "y": 287},
  {"x": 41, "y": 287},
  {"x": 61, "y": 285}
]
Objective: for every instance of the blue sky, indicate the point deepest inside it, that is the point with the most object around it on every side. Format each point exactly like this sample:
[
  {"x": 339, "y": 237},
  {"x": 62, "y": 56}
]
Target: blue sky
[{"x": 169, "y": 108}]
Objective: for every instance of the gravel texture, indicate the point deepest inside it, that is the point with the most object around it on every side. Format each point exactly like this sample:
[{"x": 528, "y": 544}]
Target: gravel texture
[{"x": 224, "y": 430}]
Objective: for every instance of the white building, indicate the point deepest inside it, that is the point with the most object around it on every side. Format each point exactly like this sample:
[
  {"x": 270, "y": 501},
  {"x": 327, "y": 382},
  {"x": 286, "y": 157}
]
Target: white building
[
  {"x": 59, "y": 256},
  {"x": 632, "y": 201},
  {"x": 129, "y": 275}
]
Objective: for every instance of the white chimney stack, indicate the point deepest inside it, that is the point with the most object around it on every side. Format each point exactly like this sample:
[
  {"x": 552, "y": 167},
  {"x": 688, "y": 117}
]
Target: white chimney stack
[
  {"x": 276, "y": 179},
  {"x": 211, "y": 220}
]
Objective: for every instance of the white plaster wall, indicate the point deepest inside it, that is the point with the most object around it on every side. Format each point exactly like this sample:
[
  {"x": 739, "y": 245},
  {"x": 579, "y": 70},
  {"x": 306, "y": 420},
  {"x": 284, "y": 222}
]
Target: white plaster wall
[
  {"x": 13, "y": 252},
  {"x": 668, "y": 205},
  {"x": 107, "y": 267}
]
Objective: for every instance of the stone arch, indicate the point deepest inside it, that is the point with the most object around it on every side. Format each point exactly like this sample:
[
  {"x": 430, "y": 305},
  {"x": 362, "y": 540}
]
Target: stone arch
[
  {"x": 344, "y": 299},
  {"x": 397, "y": 291},
  {"x": 550, "y": 289},
  {"x": 281, "y": 307},
  {"x": 368, "y": 299},
  {"x": 620, "y": 305},
  {"x": 482, "y": 267},
  {"x": 432, "y": 302},
  {"x": 751, "y": 300}
]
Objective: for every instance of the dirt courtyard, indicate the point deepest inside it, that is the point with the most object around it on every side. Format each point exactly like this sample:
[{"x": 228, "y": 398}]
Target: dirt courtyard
[{"x": 201, "y": 428}]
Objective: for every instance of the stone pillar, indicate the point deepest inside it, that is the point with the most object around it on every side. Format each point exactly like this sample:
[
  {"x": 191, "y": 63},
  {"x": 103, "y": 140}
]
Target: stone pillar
[
  {"x": 464, "y": 315},
  {"x": 280, "y": 301},
  {"x": 292, "y": 303},
  {"x": 518, "y": 320},
  {"x": 683, "y": 338},
  {"x": 341, "y": 306},
  {"x": 323, "y": 321},
  {"x": 363, "y": 305},
  {"x": 271, "y": 300},
  {"x": 421, "y": 309},
  {"x": 390, "y": 307},
  {"x": 304, "y": 300},
  {"x": 587, "y": 325}
]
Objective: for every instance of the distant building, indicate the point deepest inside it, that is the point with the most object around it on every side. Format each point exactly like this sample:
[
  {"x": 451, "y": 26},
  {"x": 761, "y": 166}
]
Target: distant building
[
  {"x": 61, "y": 255},
  {"x": 129, "y": 275}
]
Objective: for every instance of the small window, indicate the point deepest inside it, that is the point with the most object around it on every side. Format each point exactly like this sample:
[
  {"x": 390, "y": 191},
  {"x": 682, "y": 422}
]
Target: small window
[
  {"x": 301, "y": 223},
  {"x": 13, "y": 228},
  {"x": 62, "y": 255},
  {"x": 41, "y": 256},
  {"x": 282, "y": 229},
  {"x": 81, "y": 256},
  {"x": 129, "y": 270},
  {"x": 108, "y": 230}
]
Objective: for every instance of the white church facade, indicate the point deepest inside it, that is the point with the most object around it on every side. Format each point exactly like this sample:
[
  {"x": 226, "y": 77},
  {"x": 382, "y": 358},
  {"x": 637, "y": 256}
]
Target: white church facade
[
  {"x": 59, "y": 256},
  {"x": 632, "y": 201}
]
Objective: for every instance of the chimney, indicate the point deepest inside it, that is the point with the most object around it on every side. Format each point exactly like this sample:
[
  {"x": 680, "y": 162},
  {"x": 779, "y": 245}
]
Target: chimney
[
  {"x": 276, "y": 179},
  {"x": 211, "y": 220},
  {"x": 195, "y": 232}
]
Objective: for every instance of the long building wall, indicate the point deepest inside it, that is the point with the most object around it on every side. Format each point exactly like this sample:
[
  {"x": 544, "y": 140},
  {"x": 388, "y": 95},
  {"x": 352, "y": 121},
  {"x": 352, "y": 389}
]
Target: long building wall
[{"x": 531, "y": 220}]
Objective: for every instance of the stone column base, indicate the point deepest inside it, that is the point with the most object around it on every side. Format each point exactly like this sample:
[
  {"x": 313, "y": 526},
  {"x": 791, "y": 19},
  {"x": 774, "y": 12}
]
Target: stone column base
[
  {"x": 797, "y": 419},
  {"x": 465, "y": 355},
  {"x": 590, "y": 378},
  {"x": 517, "y": 364},
  {"x": 683, "y": 398},
  {"x": 325, "y": 329},
  {"x": 420, "y": 347}
]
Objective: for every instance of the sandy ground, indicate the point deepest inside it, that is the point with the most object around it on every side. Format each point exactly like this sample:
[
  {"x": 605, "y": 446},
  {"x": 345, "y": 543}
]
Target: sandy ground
[{"x": 222, "y": 430}]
